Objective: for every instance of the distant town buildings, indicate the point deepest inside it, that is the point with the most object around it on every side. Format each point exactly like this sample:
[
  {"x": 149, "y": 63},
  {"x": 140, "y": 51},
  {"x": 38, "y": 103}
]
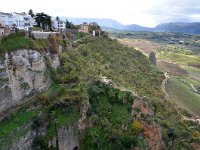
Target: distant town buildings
[
  {"x": 21, "y": 21},
  {"x": 95, "y": 29},
  {"x": 84, "y": 28},
  {"x": 92, "y": 28},
  {"x": 11, "y": 22},
  {"x": 58, "y": 24}
]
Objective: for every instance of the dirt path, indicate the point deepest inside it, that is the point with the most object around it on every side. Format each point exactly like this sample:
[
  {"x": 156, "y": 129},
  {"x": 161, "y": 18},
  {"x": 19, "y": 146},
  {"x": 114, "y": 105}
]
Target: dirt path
[
  {"x": 109, "y": 81},
  {"x": 164, "y": 82},
  {"x": 195, "y": 119},
  {"x": 192, "y": 86},
  {"x": 82, "y": 38}
]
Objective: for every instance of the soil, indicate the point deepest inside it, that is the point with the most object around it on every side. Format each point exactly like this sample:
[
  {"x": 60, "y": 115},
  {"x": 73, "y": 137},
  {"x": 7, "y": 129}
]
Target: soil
[
  {"x": 145, "y": 46},
  {"x": 171, "y": 68}
]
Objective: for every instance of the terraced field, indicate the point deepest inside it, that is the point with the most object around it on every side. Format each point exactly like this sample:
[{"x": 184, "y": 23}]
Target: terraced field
[
  {"x": 182, "y": 59},
  {"x": 183, "y": 94}
]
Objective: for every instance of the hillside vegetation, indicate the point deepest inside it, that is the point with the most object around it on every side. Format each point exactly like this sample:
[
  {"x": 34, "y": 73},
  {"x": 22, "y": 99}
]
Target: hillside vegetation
[
  {"x": 18, "y": 40},
  {"x": 109, "y": 121},
  {"x": 124, "y": 66}
]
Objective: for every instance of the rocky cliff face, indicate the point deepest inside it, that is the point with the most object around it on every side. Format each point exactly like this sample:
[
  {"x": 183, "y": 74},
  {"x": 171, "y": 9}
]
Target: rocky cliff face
[
  {"x": 24, "y": 143},
  {"x": 152, "y": 130},
  {"x": 23, "y": 73},
  {"x": 67, "y": 138}
]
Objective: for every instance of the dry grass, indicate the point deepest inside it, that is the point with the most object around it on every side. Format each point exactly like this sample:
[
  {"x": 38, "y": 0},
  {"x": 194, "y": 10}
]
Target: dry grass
[
  {"x": 145, "y": 46},
  {"x": 170, "y": 68}
]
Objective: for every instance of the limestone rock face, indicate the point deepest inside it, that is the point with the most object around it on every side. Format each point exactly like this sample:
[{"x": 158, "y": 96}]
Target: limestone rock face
[
  {"x": 22, "y": 73},
  {"x": 82, "y": 123},
  {"x": 55, "y": 61},
  {"x": 67, "y": 138},
  {"x": 24, "y": 143}
]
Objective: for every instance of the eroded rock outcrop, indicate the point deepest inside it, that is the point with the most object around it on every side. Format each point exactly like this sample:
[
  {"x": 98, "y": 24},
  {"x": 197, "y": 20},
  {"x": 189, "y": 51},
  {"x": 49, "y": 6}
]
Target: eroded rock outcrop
[
  {"x": 68, "y": 138},
  {"x": 23, "y": 73},
  {"x": 24, "y": 143},
  {"x": 151, "y": 130},
  {"x": 82, "y": 124}
]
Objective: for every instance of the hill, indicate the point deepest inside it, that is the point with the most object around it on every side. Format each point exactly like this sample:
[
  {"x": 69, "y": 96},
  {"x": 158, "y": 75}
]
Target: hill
[
  {"x": 182, "y": 27},
  {"x": 111, "y": 25},
  {"x": 134, "y": 27}
]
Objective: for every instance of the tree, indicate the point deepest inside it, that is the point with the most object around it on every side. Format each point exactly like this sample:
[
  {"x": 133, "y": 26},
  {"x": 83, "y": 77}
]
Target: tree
[
  {"x": 57, "y": 18},
  {"x": 152, "y": 58},
  {"x": 69, "y": 25},
  {"x": 30, "y": 12},
  {"x": 43, "y": 20}
]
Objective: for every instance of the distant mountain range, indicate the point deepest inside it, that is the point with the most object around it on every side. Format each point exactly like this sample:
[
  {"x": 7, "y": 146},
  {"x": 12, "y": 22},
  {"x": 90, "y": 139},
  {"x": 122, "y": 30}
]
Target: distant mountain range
[
  {"x": 110, "y": 24},
  {"x": 190, "y": 28}
]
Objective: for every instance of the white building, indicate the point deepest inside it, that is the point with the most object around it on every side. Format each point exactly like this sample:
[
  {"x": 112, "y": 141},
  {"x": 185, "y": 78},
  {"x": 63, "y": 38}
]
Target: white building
[
  {"x": 6, "y": 19},
  {"x": 58, "y": 24},
  {"x": 22, "y": 21}
]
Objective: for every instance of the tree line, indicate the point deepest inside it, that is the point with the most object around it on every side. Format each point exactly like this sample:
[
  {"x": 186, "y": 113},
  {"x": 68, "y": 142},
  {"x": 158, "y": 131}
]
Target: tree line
[{"x": 43, "y": 21}]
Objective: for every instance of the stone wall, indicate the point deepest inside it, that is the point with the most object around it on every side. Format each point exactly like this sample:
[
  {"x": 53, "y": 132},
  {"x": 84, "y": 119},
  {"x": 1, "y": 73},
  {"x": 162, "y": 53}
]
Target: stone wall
[{"x": 42, "y": 35}]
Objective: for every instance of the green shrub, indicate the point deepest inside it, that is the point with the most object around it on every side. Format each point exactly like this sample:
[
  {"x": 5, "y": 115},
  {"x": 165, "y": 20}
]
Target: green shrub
[{"x": 136, "y": 127}]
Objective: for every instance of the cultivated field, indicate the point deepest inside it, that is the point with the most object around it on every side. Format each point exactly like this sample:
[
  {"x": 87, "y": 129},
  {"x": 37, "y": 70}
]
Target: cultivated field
[
  {"x": 183, "y": 67},
  {"x": 145, "y": 46}
]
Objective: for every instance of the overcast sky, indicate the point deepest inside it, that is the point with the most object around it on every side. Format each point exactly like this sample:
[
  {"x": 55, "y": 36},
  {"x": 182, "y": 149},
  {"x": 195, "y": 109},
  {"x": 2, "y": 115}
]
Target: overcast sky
[{"x": 142, "y": 12}]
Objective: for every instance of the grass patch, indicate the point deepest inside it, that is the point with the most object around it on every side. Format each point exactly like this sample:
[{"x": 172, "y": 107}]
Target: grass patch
[
  {"x": 68, "y": 118},
  {"x": 18, "y": 40},
  {"x": 182, "y": 59},
  {"x": 53, "y": 89},
  {"x": 63, "y": 119},
  {"x": 182, "y": 94},
  {"x": 17, "y": 125},
  {"x": 20, "y": 118},
  {"x": 120, "y": 115},
  {"x": 14, "y": 42},
  {"x": 193, "y": 73}
]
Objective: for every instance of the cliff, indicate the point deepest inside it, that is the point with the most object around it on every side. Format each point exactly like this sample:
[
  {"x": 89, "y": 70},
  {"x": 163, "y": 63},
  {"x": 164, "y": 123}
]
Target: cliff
[{"x": 23, "y": 73}]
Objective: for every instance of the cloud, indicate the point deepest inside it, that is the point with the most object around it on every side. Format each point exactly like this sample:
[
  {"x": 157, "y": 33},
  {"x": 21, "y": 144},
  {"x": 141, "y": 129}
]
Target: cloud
[
  {"x": 142, "y": 12},
  {"x": 175, "y": 11}
]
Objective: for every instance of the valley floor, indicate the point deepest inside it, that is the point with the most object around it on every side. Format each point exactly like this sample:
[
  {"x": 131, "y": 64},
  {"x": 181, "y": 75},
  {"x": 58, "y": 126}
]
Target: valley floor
[{"x": 184, "y": 78}]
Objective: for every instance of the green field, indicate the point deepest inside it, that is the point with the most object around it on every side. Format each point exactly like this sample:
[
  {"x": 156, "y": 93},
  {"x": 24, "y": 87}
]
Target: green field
[
  {"x": 193, "y": 73},
  {"x": 182, "y": 59},
  {"x": 182, "y": 94}
]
